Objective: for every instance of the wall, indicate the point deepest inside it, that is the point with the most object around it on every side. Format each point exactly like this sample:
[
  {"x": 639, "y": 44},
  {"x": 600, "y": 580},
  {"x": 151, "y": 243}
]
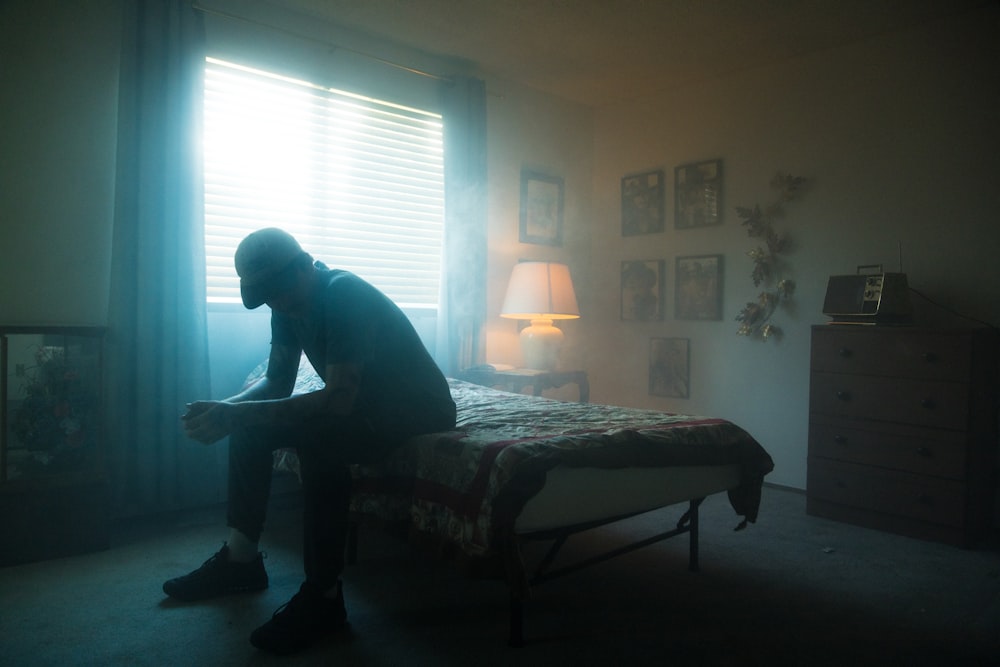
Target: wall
[
  {"x": 531, "y": 130},
  {"x": 59, "y": 85},
  {"x": 899, "y": 139}
]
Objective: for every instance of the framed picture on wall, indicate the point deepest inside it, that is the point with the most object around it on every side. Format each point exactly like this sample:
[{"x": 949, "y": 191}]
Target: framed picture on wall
[
  {"x": 698, "y": 288},
  {"x": 642, "y": 290},
  {"x": 698, "y": 194},
  {"x": 670, "y": 367},
  {"x": 643, "y": 203},
  {"x": 541, "y": 208}
]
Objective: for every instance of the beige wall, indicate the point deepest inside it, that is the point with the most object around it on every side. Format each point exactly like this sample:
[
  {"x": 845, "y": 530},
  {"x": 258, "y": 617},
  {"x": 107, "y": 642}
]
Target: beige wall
[
  {"x": 899, "y": 138},
  {"x": 530, "y": 130},
  {"x": 58, "y": 83}
]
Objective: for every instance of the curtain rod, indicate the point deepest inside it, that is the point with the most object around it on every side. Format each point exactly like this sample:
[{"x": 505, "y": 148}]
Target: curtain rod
[{"x": 389, "y": 63}]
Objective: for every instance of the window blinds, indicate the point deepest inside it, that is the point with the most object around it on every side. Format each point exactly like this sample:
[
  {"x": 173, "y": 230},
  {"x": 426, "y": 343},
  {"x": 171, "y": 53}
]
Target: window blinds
[{"x": 359, "y": 182}]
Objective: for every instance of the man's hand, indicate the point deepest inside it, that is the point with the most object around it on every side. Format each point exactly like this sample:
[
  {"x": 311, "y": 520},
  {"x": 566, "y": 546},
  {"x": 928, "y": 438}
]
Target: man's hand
[{"x": 208, "y": 421}]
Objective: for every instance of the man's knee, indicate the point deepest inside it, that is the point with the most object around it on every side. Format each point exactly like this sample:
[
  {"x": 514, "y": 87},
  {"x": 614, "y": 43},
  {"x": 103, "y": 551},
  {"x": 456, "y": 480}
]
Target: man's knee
[{"x": 259, "y": 438}]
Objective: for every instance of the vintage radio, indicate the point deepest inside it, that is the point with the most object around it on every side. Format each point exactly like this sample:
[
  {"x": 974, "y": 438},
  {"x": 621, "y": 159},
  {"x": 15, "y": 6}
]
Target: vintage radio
[{"x": 868, "y": 298}]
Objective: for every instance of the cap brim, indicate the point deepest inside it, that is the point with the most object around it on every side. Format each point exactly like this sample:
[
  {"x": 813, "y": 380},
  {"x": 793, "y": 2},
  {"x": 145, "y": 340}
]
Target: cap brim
[
  {"x": 261, "y": 290},
  {"x": 253, "y": 295}
]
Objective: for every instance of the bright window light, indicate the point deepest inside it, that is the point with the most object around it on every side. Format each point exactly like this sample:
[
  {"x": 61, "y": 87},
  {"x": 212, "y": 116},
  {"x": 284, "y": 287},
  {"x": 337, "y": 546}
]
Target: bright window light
[{"x": 359, "y": 182}]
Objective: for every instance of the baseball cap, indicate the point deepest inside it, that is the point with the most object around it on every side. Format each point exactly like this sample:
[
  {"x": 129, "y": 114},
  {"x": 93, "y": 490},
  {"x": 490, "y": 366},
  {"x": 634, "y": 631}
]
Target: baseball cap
[{"x": 260, "y": 260}]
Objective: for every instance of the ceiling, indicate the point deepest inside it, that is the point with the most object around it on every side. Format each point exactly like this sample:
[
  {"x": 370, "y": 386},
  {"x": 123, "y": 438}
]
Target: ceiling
[{"x": 602, "y": 51}]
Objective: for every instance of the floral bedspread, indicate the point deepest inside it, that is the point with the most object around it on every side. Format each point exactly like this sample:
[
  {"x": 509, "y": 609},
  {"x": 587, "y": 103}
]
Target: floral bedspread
[{"x": 464, "y": 489}]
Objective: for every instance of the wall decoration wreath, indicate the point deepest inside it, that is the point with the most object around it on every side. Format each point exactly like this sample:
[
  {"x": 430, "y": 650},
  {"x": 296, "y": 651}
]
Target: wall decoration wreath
[{"x": 769, "y": 264}]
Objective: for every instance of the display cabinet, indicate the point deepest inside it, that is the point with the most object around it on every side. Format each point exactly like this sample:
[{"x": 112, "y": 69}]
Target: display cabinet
[{"x": 53, "y": 482}]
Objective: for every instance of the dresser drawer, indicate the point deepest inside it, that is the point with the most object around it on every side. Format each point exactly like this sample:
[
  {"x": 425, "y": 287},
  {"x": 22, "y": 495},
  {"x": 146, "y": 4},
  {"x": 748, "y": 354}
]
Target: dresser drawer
[
  {"x": 907, "y": 353},
  {"x": 940, "y": 501},
  {"x": 915, "y": 450},
  {"x": 920, "y": 402}
]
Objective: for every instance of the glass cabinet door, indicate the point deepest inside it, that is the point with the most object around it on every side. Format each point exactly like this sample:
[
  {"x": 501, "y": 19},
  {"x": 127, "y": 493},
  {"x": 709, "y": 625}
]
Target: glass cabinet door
[{"x": 50, "y": 402}]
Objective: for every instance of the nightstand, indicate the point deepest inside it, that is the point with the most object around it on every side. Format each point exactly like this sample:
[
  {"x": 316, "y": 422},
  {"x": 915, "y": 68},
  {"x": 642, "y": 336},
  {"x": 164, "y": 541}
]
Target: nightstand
[{"x": 516, "y": 379}]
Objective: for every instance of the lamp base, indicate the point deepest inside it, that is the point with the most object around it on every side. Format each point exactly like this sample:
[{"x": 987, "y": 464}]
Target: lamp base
[{"x": 540, "y": 344}]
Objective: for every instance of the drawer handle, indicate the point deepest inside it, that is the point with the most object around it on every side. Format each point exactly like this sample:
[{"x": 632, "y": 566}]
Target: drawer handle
[
  {"x": 843, "y": 394},
  {"x": 928, "y": 403},
  {"x": 846, "y": 352}
]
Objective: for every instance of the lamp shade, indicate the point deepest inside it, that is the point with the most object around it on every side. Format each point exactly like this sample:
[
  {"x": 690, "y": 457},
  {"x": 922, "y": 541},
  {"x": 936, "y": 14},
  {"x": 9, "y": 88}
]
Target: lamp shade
[{"x": 540, "y": 290}]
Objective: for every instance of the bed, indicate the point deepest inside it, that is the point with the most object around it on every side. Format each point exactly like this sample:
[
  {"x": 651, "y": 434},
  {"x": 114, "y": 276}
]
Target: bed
[{"x": 519, "y": 468}]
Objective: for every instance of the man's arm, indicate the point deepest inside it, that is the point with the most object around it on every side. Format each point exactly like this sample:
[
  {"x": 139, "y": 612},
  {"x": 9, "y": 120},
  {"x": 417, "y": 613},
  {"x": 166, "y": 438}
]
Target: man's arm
[
  {"x": 210, "y": 421},
  {"x": 279, "y": 379},
  {"x": 268, "y": 401},
  {"x": 337, "y": 397}
]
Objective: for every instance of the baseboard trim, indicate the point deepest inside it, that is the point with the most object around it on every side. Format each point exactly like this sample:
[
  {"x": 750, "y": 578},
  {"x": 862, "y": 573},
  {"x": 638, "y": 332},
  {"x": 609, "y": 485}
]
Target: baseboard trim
[{"x": 782, "y": 487}]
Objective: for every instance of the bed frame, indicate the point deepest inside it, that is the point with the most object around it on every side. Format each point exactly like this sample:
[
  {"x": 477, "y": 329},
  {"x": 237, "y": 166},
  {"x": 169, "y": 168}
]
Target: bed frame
[{"x": 687, "y": 524}]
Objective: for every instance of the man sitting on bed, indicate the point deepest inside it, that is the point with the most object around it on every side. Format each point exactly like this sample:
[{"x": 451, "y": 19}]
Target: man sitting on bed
[{"x": 381, "y": 387}]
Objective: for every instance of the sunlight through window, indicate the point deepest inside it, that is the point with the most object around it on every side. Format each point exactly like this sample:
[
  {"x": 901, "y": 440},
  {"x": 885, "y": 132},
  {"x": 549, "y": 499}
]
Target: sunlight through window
[{"x": 360, "y": 182}]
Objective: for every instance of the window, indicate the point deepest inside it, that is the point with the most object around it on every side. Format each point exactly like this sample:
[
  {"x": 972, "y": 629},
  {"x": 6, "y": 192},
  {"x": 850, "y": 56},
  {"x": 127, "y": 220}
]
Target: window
[{"x": 359, "y": 182}]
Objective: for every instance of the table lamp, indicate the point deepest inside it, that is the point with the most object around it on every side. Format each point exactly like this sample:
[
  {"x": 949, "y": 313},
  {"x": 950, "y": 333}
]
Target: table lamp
[{"x": 540, "y": 292}]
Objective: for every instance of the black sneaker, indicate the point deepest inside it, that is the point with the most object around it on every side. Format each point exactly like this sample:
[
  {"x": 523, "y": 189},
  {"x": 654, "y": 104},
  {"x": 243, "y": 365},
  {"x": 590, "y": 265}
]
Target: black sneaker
[
  {"x": 308, "y": 616},
  {"x": 218, "y": 576}
]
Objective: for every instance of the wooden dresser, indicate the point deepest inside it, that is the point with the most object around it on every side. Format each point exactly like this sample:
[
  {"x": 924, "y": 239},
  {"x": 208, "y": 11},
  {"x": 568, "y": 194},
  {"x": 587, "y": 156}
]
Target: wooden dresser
[{"x": 903, "y": 429}]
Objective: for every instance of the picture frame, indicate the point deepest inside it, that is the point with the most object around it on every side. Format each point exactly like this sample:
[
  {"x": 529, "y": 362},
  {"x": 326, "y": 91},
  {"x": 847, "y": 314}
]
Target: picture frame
[
  {"x": 541, "y": 208},
  {"x": 698, "y": 287},
  {"x": 698, "y": 194},
  {"x": 643, "y": 203},
  {"x": 642, "y": 290},
  {"x": 670, "y": 367}
]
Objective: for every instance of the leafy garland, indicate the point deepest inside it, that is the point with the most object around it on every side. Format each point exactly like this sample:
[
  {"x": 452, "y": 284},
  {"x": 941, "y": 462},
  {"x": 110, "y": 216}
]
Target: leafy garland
[{"x": 755, "y": 317}]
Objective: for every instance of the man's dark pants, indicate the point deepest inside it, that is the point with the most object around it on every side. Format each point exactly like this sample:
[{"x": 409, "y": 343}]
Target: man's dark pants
[{"x": 326, "y": 447}]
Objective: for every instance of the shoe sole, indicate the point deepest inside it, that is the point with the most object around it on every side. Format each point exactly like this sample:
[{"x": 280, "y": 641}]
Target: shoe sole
[
  {"x": 232, "y": 590},
  {"x": 341, "y": 631}
]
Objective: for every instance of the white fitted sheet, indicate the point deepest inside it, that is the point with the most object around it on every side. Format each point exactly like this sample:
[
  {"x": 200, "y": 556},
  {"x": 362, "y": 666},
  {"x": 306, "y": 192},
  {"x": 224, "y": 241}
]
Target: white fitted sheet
[{"x": 574, "y": 496}]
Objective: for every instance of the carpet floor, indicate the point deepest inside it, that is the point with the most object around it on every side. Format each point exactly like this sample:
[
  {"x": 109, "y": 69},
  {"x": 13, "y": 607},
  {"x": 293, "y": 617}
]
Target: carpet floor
[{"x": 789, "y": 590}]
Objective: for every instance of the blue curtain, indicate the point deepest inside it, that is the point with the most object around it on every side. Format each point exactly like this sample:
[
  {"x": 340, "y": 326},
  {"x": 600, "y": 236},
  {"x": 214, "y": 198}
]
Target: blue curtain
[
  {"x": 460, "y": 321},
  {"x": 157, "y": 339}
]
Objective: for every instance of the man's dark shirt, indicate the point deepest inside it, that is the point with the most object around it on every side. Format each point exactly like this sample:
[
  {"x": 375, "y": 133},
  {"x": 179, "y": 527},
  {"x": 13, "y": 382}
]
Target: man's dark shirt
[{"x": 402, "y": 391}]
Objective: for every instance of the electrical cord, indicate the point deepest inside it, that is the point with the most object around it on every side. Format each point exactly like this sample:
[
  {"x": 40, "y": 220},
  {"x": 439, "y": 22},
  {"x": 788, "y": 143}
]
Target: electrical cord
[{"x": 952, "y": 310}]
